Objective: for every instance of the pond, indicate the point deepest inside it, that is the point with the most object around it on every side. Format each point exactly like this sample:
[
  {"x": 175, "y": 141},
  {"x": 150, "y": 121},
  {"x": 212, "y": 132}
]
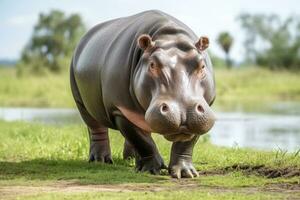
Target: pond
[{"x": 276, "y": 127}]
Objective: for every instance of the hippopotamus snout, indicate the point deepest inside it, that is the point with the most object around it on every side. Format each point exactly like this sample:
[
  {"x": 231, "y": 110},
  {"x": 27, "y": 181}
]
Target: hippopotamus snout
[{"x": 180, "y": 122}]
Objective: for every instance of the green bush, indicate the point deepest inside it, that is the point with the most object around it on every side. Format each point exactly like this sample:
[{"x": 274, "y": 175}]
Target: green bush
[{"x": 53, "y": 41}]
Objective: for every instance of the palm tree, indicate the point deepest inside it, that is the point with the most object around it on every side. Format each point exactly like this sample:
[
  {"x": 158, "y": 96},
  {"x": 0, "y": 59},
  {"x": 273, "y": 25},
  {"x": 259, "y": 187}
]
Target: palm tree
[{"x": 225, "y": 40}]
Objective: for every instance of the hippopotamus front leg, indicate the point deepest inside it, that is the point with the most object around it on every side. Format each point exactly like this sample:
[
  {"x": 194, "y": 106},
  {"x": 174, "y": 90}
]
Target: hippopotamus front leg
[
  {"x": 148, "y": 157},
  {"x": 99, "y": 145},
  {"x": 128, "y": 151},
  {"x": 181, "y": 164}
]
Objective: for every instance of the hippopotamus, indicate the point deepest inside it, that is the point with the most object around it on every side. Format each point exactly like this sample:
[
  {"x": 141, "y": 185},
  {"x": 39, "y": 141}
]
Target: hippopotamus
[{"x": 142, "y": 74}]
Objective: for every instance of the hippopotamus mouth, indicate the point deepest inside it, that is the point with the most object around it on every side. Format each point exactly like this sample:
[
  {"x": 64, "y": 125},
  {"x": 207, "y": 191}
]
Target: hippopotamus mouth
[
  {"x": 183, "y": 134},
  {"x": 176, "y": 137}
]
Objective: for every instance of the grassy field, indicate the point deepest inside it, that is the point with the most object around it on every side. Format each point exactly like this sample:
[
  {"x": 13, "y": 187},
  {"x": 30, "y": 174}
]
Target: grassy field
[
  {"x": 242, "y": 86},
  {"x": 47, "y": 162},
  {"x": 252, "y": 86},
  {"x": 34, "y": 91},
  {"x": 39, "y": 161}
]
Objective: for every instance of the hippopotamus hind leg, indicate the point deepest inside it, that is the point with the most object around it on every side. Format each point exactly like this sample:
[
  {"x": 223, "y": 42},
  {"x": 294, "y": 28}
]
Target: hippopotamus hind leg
[
  {"x": 98, "y": 134},
  {"x": 99, "y": 145}
]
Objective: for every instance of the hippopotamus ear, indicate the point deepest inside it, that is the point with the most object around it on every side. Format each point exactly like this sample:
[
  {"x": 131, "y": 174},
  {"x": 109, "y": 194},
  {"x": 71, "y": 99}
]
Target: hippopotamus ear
[
  {"x": 145, "y": 42},
  {"x": 202, "y": 43}
]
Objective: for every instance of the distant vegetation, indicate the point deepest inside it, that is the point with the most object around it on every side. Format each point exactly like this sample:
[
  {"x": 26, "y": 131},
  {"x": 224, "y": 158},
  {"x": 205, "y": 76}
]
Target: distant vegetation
[
  {"x": 271, "y": 41},
  {"x": 239, "y": 86},
  {"x": 49, "y": 90},
  {"x": 53, "y": 41},
  {"x": 225, "y": 40}
]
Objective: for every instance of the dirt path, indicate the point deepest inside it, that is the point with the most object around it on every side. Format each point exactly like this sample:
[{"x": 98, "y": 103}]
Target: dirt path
[
  {"x": 260, "y": 170},
  {"x": 7, "y": 192}
]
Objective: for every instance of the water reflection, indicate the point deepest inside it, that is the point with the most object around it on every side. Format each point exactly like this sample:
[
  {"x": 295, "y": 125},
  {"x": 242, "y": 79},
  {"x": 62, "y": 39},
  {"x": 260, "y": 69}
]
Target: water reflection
[
  {"x": 58, "y": 116},
  {"x": 261, "y": 131},
  {"x": 275, "y": 127}
]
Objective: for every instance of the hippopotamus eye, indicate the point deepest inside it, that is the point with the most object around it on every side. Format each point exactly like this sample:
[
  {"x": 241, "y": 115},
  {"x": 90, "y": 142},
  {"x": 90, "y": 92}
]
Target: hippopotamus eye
[
  {"x": 154, "y": 69},
  {"x": 152, "y": 65},
  {"x": 200, "y": 71}
]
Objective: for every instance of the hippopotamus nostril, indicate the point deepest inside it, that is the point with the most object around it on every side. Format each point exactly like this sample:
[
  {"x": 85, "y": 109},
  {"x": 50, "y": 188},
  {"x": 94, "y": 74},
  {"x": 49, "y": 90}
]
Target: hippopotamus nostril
[
  {"x": 163, "y": 117},
  {"x": 164, "y": 108},
  {"x": 199, "y": 109},
  {"x": 200, "y": 117}
]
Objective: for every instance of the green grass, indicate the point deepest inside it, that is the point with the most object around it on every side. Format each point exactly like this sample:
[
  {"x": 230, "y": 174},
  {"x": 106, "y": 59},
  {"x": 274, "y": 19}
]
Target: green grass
[
  {"x": 50, "y": 158},
  {"x": 34, "y": 91},
  {"x": 242, "y": 86},
  {"x": 253, "y": 85},
  {"x": 37, "y": 155}
]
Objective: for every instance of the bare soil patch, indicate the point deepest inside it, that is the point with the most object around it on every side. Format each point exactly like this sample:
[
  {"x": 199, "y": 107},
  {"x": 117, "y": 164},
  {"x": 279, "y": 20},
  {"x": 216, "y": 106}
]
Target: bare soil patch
[
  {"x": 260, "y": 170},
  {"x": 8, "y": 192}
]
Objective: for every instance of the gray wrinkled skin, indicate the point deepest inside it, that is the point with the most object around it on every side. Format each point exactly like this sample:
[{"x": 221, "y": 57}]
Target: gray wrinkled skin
[{"x": 140, "y": 74}]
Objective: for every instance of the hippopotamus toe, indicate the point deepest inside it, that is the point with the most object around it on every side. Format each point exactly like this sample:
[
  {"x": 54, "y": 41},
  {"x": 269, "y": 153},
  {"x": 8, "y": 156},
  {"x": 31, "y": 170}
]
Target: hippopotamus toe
[
  {"x": 183, "y": 169},
  {"x": 152, "y": 164},
  {"x": 100, "y": 152}
]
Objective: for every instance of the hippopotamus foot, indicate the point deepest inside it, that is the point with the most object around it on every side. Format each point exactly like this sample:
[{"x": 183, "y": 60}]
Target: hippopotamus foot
[
  {"x": 144, "y": 149},
  {"x": 152, "y": 164},
  {"x": 99, "y": 146},
  {"x": 181, "y": 165},
  {"x": 183, "y": 168}
]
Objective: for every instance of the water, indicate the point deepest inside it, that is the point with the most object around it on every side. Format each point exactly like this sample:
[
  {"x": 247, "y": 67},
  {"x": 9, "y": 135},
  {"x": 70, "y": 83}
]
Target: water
[
  {"x": 259, "y": 131},
  {"x": 275, "y": 127},
  {"x": 55, "y": 116}
]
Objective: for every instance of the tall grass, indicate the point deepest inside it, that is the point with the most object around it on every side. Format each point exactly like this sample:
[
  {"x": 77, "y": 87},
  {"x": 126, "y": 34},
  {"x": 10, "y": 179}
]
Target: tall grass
[
  {"x": 258, "y": 85},
  {"x": 34, "y": 91}
]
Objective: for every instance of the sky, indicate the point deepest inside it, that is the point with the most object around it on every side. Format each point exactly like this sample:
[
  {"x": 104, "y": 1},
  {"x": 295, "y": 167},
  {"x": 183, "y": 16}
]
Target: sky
[{"x": 210, "y": 17}]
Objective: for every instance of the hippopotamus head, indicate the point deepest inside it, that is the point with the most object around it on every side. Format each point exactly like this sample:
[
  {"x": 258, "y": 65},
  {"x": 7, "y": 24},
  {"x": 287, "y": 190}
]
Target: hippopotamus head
[{"x": 175, "y": 86}]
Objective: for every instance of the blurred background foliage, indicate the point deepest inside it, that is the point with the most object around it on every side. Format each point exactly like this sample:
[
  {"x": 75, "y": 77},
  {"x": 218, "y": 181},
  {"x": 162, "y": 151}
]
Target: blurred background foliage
[
  {"x": 53, "y": 41},
  {"x": 225, "y": 40},
  {"x": 270, "y": 42}
]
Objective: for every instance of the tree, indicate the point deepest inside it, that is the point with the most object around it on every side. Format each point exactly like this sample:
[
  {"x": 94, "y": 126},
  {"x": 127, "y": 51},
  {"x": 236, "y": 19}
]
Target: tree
[
  {"x": 225, "y": 40},
  {"x": 271, "y": 41},
  {"x": 54, "y": 38}
]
